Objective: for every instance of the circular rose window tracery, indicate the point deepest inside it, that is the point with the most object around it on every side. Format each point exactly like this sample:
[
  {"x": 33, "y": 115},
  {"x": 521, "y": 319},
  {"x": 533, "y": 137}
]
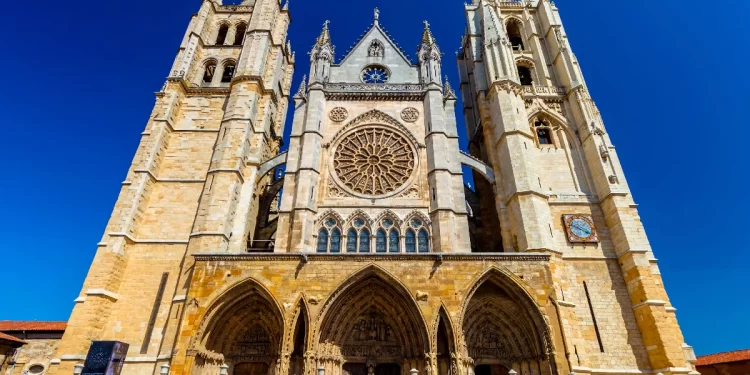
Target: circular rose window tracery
[{"x": 374, "y": 161}]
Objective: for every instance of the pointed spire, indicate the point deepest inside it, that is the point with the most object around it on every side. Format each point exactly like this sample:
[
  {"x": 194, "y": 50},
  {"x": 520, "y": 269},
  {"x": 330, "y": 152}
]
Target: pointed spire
[
  {"x": 325, "y": 35},
  {"x": 286, "y": 5},
  {"x": 427, "y": 37},
  {"x": 302, "y": 91},
  {"x": 448, "y": 92}
]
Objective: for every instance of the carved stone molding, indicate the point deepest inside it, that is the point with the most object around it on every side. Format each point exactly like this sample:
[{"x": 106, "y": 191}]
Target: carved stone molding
[
  {"x": 410, "y": 114},
  {"x": 338, "y": 114}
]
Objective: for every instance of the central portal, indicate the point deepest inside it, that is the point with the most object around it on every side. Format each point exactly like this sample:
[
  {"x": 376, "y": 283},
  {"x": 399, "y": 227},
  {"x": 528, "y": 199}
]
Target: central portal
[{"x": 373, "y": 327}]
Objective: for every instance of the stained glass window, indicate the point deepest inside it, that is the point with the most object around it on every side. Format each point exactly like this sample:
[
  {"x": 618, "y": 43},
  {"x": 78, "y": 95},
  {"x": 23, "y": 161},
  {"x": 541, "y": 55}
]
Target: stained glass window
[
  {"x": 351, "y": 241},
  {"x": 375, "y": 74},
  {"x": 359, "y": 223},
  {"x": 410, "y": 240},
  {"x": 380, "y": 242},
  {"x": 424, "y": 241},
  {"x": 364, "y": 241},
  {"x": 393, "y": 242},
  {"x": 336, "y": 241},
  {"x": 323, "y": 241}
]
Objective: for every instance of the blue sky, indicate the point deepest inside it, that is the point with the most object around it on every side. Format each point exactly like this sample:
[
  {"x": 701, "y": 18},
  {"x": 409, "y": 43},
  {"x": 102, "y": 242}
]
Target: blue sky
[{"x": 670, "y": 81}]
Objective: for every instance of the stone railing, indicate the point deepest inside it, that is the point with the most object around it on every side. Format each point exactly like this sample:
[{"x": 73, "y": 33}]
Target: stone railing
[
  {"x": 235, "y": 8},
  {"x": 346, "y": 91},
  {"x": 544, "y": 90},
  {"x": 511, "y": 3},
  {"x": 355, "y": 87}
]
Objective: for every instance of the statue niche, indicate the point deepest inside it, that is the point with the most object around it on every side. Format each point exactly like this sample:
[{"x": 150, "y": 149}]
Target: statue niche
[{"x": 376, "y": 49}]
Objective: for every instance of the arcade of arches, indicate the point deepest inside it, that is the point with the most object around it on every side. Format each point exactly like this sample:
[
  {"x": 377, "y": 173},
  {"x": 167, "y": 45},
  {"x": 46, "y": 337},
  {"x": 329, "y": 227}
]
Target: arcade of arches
[{"x": 372, "y": 325}]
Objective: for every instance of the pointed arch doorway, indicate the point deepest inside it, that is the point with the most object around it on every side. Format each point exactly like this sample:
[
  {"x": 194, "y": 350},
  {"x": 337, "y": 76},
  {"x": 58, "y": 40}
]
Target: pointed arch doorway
[{"x": 372, "y": 327}]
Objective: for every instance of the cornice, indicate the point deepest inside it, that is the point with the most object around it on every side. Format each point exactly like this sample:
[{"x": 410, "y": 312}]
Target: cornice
[
  {"x": 386, "y": 92},
  {"x": 305, "y": 258}
]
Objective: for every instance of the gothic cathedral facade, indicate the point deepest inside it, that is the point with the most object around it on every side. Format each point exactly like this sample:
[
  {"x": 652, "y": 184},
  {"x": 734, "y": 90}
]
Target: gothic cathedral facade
[{"x": 360, "y": 250}]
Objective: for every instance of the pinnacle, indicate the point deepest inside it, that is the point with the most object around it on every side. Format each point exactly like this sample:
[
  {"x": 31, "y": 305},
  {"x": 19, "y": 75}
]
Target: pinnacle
[
  {"x": 427, "y": 37},
  {"x": 325, "y": 35}
]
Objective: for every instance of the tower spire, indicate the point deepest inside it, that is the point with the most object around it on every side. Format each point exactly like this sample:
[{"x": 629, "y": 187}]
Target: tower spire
[
  {"x": 427, "y": 37},
  {"x": 325, "y": 35}
]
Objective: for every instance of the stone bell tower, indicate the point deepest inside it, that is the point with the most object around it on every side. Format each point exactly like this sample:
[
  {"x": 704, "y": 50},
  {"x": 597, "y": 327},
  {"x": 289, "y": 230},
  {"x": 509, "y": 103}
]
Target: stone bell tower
[
  {"x": 195, "y": 184},
  {"x": 558, "y": 184},
  {"x": 374, "y": 141}
]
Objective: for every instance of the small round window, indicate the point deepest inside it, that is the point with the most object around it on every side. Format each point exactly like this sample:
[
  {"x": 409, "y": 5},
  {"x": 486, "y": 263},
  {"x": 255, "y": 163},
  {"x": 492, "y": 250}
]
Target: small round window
[
  {"x": 36, "y": 369},
  {"x": 375, "y": 74}
]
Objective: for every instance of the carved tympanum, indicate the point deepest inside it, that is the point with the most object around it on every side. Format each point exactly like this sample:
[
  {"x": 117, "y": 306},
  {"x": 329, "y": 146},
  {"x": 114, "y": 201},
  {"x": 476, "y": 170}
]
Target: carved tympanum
[{"x": 374, "y": 161}]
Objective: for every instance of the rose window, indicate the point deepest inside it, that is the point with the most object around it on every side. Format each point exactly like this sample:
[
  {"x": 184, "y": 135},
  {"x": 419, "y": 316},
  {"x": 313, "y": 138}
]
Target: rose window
[
  {"x": 375, "y": 74},
  {"x": 374, "y": 161}
]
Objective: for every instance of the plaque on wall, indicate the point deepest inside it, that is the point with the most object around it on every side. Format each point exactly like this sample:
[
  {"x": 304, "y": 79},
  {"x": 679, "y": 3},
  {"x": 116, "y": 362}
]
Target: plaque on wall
[
  {"x": 105, "y": 358},
  {"x": 580, "y": 228}
]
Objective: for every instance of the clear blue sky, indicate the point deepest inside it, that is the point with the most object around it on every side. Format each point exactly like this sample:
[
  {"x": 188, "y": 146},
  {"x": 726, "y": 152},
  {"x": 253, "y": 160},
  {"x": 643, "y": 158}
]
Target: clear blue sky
[{"x": 79, "y": 77}]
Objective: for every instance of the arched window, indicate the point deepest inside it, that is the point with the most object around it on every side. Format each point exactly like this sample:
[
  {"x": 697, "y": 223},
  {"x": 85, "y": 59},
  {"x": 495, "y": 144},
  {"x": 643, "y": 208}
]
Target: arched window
[
  {"x": 323, "y": 241},
  {"x": 351, "y": 241},
  {"x": 524, "y": 73},
  {"x": 364, "y": 241},
  {"x": 424, "y": 241},
  {"x": 381, "y": 245},
  {"x": 228, "y": 73},
  {"x": 221, "y": 37},
  {"x": 410, "y": 241},
  {"x": 514, "y": 35},
  {"x": 336, "y": 241},
  {"x": 208, "y": 75},
  {"x": 239, "y": 36},
  {"x": 543, "y": 132},
  {"x": 393, "y": 242}
]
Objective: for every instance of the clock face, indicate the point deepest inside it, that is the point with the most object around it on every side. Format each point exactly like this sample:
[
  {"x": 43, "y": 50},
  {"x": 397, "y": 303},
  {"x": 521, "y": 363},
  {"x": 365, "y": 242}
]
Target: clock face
[{"x": 580, "y": 228}]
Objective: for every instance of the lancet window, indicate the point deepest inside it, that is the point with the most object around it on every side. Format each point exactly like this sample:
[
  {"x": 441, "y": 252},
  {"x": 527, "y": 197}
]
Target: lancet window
[
  {"x": 228, "y": 73},
  {"x": 543, "y": 131},
  {"x": 208, "y": 74},
  {"x": 388, "y": 238},
  {"x": 358, "y": 237},
  {"x": 513, "y": 28},
  {"x": 239, "y": 35},
  {"x": 524, "y": 74},
  {"x": 416, "y": 237},
  {"x": 329, "y": 237},
  {"x": 221, "y": 37}
]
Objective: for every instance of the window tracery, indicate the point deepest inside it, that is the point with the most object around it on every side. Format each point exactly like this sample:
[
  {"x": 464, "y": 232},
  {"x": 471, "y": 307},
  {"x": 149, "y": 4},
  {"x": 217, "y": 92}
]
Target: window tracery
[
  {"x": 375, "y": 74},
  {"x": 543, "y": 131},
  {"x": 358, "y": 236},
  {"x": 417, "y": 238},
  {"x": 329, "y": 237},
  {"x": 374, "y": 161}
]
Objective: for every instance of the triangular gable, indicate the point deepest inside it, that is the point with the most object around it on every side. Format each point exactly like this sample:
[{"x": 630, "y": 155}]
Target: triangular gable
[{"x": 364, "y": 43}]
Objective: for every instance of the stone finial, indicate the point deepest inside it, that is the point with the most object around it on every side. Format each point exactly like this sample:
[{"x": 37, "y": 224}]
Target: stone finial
[
  {"x": 448, "y": 92},
  {"x": 325, "y": 34},
  {"x": 377, "y": 15},
  {"x": 427, "y": 37},
  {"x": 302, "y": 91}
]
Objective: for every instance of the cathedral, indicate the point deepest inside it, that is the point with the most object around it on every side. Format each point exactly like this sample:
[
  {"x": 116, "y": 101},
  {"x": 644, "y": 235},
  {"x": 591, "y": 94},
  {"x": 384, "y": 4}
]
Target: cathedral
[{"x": 355, "y": 247}]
